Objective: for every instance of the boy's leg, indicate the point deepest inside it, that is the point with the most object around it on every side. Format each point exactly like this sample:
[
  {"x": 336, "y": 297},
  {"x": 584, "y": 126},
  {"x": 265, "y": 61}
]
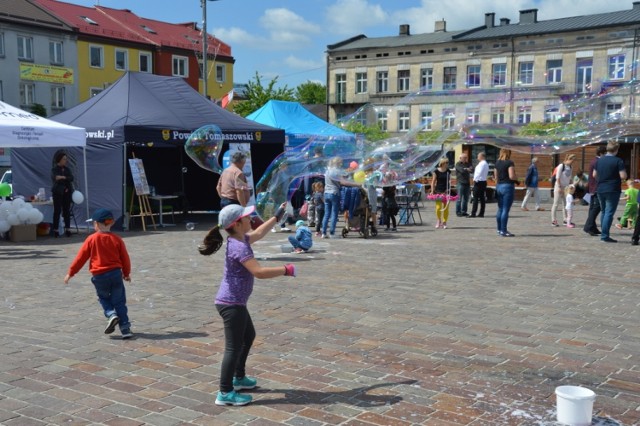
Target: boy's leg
[
  {"x": 102, "y": 284},
  {"x": 294, "y": 241},
  {"x": 636, "y": 230},
  {"x": 119, "y": 300}
]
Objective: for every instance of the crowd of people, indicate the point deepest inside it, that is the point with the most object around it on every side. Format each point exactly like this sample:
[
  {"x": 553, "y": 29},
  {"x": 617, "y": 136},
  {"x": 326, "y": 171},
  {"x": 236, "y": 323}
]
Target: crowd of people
[{"x": 110, "y": 265}]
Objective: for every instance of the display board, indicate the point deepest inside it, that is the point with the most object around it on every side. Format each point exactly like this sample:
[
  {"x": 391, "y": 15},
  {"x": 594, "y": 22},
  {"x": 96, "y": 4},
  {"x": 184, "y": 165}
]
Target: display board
[{"x": 139, "y": 177}]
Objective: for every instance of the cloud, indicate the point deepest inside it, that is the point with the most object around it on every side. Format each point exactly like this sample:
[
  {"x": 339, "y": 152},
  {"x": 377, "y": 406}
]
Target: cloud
[
  {"x": 353, "y": 17},
  {"x": 234, "y": 35},
  {"x": 302, "y": 64},
  {"x": 287, "y": 30},
  {"x": 459, "y": 16}
]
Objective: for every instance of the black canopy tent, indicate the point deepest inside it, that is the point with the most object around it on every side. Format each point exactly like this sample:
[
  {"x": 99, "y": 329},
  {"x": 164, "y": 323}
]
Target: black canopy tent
[{"x": 141, "y": 114}]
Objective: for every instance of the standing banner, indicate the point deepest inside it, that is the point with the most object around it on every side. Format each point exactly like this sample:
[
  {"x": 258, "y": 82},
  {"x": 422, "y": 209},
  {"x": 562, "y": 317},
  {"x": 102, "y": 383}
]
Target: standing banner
[{"x": 139, "y": 177}]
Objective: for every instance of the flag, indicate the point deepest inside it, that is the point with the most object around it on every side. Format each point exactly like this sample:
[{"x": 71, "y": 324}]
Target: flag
[{"x": 226, "y": 99}]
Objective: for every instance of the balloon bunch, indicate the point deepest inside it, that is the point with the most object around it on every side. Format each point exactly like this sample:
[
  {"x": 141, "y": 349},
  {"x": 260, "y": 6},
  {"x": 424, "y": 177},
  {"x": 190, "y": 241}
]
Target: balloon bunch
[{"x": 18, "y": 212}]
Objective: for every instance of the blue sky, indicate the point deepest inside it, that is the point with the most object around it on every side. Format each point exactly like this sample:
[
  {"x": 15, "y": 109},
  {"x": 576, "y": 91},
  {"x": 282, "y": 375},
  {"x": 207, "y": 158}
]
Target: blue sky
[{"x": 288, "y": 38}]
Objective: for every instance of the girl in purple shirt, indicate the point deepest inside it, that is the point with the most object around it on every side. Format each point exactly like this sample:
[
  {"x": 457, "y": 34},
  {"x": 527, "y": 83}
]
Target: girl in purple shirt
[{"x": 240, "y": 269}]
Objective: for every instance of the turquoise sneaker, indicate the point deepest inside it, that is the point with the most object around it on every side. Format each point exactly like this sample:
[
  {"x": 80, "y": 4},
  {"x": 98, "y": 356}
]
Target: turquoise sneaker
[
  {"x": 232, "y": 398},
  {"x": 245, "y": 383}
]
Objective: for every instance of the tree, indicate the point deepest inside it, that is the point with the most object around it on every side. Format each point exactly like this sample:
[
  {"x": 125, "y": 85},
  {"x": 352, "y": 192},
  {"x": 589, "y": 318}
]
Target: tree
[
  {"x": 371, "y": 133},
  {"x": 311, "y": 93},
  {"x": 39, "y": 109},
  {"x": 257, "y": 95}
]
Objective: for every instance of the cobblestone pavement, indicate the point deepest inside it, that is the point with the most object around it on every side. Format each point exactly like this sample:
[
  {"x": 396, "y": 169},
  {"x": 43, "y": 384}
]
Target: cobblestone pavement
[{"x": 416, "y": 327}]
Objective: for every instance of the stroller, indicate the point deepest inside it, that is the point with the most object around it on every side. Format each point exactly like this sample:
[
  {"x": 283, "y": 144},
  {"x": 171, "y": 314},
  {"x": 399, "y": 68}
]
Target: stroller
[{"x": 356, "y": 202}]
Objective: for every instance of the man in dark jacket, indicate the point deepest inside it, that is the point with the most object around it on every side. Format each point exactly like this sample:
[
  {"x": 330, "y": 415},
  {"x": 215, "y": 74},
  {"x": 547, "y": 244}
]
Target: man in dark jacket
[
  {"x": 463, "y": 171},
  {"x": 590, "y": 226}
]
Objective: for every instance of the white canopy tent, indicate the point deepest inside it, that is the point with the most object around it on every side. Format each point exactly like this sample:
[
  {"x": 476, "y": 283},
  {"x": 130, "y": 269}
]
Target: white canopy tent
[{"x": 22, "y": 129}]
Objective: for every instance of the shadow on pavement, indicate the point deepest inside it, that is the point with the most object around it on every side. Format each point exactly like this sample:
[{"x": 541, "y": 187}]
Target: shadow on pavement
[
  {"x": 357, "y": 397},
  {"x": 170, "y": 335},
  {"x": 20, "y": 253}
]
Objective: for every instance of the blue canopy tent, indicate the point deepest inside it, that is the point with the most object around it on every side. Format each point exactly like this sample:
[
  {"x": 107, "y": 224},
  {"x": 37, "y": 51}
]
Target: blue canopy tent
[{"x": 298, "y": 124}]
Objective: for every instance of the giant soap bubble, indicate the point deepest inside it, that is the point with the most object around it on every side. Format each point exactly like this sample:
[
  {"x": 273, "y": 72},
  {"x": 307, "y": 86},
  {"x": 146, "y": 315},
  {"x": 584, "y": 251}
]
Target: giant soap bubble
[
  {"x": 204, "y": 147},
  {"x": 427, "y": 130}
]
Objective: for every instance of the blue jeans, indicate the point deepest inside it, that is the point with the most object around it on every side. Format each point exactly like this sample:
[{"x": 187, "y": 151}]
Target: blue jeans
[
  {"x": 504, "y": 194},
  {"x": 296, "y": 243},
  {"x": 463, "y": 198},
  {"x": 608, "y": 205},
  {"x": 331, "y": 209},
  {"x": 111, "y": 295}
]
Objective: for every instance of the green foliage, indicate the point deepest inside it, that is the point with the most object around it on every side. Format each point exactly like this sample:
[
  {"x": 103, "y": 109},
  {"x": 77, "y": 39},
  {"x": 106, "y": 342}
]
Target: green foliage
[
  {"x": 371, "y": 133},
  {"x": 311, "y": 93},
  {"x": 257, "y": 95},
  {"x": 39, "y": 109},
  {"x": 551, "y": 129}
]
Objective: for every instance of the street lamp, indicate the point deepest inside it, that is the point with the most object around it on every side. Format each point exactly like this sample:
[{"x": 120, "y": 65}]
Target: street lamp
[{"x": 205, "y": 51}]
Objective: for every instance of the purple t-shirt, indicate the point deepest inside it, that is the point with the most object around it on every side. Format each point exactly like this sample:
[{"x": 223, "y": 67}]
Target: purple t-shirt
[{"x": 237, "y": 281}]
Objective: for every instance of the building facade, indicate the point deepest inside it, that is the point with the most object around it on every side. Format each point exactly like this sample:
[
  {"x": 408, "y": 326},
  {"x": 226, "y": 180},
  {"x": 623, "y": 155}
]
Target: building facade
[{"x": 498, "y": 73}]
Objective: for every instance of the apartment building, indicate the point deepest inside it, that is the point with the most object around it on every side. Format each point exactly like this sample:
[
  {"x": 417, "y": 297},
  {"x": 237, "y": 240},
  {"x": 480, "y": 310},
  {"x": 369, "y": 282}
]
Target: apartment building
[{"x": 497, "y": 73}]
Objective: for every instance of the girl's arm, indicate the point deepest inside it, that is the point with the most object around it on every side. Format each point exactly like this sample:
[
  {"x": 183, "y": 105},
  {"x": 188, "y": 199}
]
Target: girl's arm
[
  {"x": 512, "y": 173},
  {"x": 262, "y": 272},
  {"x": 433, "y": 182}
]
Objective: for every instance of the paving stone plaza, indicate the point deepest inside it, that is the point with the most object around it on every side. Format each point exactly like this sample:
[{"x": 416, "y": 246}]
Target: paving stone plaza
[{"x": 419, "y": 327}]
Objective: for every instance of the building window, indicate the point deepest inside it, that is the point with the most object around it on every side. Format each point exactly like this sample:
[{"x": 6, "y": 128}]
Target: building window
[
  {"x": 403, "y": 121},
  {"x": 403, "y": 80},
  {"x": 473, "y": 76},
  {"x": 180, "y": 66},
  {"x": 497, "y": 115},
  {"x": 584, "y": 69},
  {"x": 27, "y": 94},
  {"x": 551, "y": 114},
  {"x": 25, "y": 48},
  {"x": 145, "y": 62},
  {"x": 426, "y": 119},
  {"x": 96, "y": 56},
  {"x": 57, "y": 97},
  {"x": 524, "y": 115},
  {"x": 55, "y": 52},
  {"x": 525, "y": 73},
  {"x": 613, "y": 112},
  {"x": 1, "y": 44},
  {"x": 616, "y": 67},
  {"x": 93, "y": 91},
  {"x": 449, "y": 78},
  {"x": 448, "y": 119},
  {"x": 221, "y": 73},
  {"x": 361, "y": 82},
  {"x": 554, "y": 71},
  {"x": 382, "y": 79},
  {"x": 122, "y": 60},
  {"x": 426, "y": 79},
  {"x": 498, "y": 75},
  {"x": 382, "y": 118},
  {"x": 341, "y": 88},
  {"x": 472, "y": 116}
]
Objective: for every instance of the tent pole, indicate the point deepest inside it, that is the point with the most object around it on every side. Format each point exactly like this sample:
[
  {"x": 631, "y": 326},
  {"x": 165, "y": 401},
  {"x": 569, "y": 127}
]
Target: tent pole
[
  {"x": 125, "y": 219},
  {"x": 86, "y": 179}
]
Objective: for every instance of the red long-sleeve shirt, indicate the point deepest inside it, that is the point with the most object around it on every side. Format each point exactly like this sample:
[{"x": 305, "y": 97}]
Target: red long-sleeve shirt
[{"x": 106, "y": 252}]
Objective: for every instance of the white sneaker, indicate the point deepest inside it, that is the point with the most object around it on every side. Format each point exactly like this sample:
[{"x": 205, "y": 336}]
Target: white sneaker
[
  {"x": 285, "y": 229},
  {"x": 273, "y": 230}
]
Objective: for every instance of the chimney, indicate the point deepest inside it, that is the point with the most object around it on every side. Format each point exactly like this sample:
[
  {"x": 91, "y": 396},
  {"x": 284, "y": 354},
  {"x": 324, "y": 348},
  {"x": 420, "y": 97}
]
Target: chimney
[
  {"x": 504, "y": 21},
  {"x": 404, "y": 30},
  {"x": 440, "y": 26},
  {"x": 636, "y": 5},
  {"x": 489, "y": 20},
  {"x": 529, "y": 16}
]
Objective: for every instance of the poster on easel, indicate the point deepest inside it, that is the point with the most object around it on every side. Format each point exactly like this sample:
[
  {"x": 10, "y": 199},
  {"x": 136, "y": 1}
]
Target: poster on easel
[
  {"x": 245, "y": 148},
  {"x": 139, "y": 177}
]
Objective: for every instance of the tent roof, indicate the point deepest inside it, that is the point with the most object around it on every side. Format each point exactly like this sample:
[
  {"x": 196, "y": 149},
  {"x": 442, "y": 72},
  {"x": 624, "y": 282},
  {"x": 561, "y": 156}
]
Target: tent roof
[
  {"x": 295, "y": 120},
  {"x": 142, "y": 101},
  {"x": 22, "y": 129}
]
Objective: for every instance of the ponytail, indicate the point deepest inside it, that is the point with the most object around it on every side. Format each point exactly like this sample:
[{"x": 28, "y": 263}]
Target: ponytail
[{"x": 212, "y": 242}]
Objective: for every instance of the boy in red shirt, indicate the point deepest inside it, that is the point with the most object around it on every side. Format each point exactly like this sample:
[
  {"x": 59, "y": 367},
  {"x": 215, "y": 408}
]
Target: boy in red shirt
[{"x": 109, "y": 264}]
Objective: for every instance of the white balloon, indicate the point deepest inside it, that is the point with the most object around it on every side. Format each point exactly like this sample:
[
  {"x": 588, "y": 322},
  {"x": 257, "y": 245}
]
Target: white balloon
[
  {"x": 23, "y": 215},
  {"x": 27, "y": 206},
  {"x": 19, "y": 202},
  {"x": 4, "y": 226},
  {"x": 77, "y": 197},
  {"x": 35, "y": 217},
  {"x": 13, "y": 219}
]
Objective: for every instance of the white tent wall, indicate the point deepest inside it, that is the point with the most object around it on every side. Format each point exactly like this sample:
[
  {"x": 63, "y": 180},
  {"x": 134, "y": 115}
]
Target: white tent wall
[{"x": 31, "y": 169}]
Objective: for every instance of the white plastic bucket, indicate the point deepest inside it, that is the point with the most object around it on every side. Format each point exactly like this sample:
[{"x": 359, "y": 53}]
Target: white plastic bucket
[
  {"x": 575, "y": 405},
  {"x": 286, "y": 248}
]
